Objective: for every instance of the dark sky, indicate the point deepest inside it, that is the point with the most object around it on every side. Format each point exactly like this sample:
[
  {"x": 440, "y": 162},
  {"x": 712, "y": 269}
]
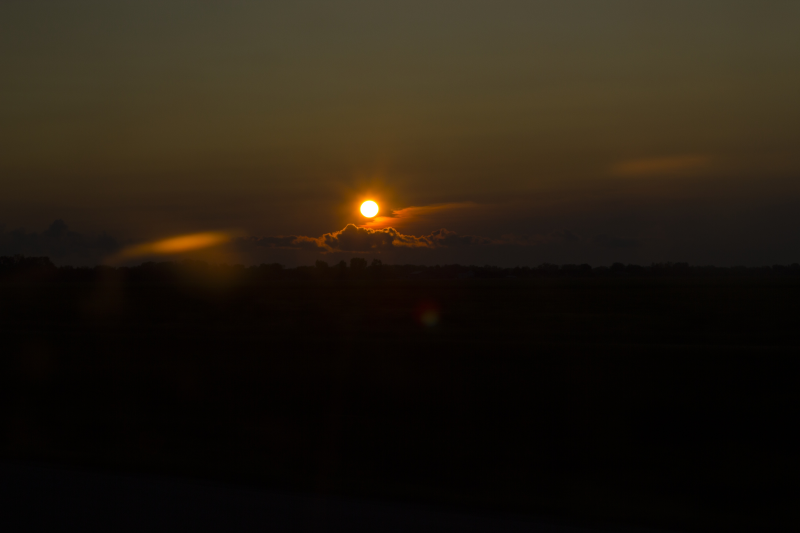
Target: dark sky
[{"x": 563, "y": 131}]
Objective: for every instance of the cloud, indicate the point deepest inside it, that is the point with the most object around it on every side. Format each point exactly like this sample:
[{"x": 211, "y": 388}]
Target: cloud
[
  {"x": 446, "y": 246},
  {"x": 363, "y": 239},
  {"x": 355, "y": 239},
  {"x": 660, "y": 166},
  {"x": 442, "y": 246},
  {"x": 414, "y": 213}
]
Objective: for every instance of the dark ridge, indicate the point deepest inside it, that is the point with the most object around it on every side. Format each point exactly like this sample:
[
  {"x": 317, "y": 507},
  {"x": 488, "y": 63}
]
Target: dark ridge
[{"x": 41, "y": 268}]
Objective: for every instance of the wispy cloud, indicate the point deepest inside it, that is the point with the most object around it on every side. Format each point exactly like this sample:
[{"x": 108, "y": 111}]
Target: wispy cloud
[{"x": 399, "y": 217}]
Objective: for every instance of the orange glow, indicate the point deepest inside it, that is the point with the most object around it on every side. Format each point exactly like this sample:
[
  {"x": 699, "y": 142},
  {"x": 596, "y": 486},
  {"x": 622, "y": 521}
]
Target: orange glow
[
  {"x": 369, "y": 209},
  {"x": 405, "y": 215},
  {"x": 174, "y": 245}
]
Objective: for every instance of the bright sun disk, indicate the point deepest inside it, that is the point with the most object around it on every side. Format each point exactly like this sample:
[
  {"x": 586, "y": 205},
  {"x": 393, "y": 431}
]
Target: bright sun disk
[{"x": 369, "y": 209}]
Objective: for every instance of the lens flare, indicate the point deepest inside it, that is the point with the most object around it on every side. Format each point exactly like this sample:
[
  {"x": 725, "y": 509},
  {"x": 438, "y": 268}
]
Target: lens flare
[
  {"x": 175, "y": 245},
  {"x": 428, "y": 314},
  {"x": 369, "y": 209},
  {"x": 429, "y": 318}
]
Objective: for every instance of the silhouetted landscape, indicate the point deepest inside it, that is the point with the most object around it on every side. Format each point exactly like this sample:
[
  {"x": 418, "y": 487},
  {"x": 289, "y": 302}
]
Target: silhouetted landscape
[
  {"x": 659, "y": 396},
  {"x": 410, "y": 266}
]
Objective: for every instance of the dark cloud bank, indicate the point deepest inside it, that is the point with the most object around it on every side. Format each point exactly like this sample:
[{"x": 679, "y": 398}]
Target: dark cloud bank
[
  {"x": 438, "y": 247},
  {"x": 355, "y": 239},
  {"x": 66, "y": 247}
]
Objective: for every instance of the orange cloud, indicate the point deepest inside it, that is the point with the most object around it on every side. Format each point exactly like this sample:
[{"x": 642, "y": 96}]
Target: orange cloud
[
  {"x": 660, "y": 166},
  {"x": 408, "y": 214}
]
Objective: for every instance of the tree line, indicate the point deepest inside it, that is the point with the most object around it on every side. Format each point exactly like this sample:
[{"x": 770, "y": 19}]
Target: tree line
[{"x": 42, "y": 268}]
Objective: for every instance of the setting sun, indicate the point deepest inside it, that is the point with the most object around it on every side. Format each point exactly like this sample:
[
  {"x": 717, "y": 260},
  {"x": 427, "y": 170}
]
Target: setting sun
[{"x": 369, "y": 209}]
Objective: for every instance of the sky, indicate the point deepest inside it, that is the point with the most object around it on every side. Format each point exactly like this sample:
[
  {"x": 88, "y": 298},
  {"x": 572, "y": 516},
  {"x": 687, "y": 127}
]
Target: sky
[{"x": 505, "y": 132}]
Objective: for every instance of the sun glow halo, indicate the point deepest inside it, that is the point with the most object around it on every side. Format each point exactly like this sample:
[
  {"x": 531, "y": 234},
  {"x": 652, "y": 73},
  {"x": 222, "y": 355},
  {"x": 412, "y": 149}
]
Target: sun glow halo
[{"x": 369, "y": 209}]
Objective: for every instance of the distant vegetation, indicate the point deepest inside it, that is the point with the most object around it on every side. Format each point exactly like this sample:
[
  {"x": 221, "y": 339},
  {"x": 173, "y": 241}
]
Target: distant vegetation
[
  {"x": 660, "y": 396},
  {"x": 41, "y": 268}
]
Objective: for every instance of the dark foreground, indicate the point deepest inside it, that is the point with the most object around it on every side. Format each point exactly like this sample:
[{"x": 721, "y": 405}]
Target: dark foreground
[
  {"x": 57, "y": 499},
  {"x": 659, "y": 403}
]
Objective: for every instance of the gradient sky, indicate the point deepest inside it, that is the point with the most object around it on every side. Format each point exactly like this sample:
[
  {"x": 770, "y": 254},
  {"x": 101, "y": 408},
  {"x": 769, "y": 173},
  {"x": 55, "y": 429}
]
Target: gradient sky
[{"x": 563, "y": 131}]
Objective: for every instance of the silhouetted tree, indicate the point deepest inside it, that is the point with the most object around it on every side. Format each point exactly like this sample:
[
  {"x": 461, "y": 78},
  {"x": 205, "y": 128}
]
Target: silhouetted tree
[
  {"x": 272, "y": 271},
  {"x": 340, "y": 270},
  {"x": 358, "y": 267},
  {"x": 376, "y": 269}
]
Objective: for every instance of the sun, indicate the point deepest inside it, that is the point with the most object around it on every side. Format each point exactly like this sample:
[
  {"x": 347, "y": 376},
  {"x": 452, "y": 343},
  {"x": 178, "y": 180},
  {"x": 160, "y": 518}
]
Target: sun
[{"x": 369, "y": 209}]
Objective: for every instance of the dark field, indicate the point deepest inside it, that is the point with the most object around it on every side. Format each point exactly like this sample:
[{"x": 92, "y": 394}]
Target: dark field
[{"x": 665, "y": 402}]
